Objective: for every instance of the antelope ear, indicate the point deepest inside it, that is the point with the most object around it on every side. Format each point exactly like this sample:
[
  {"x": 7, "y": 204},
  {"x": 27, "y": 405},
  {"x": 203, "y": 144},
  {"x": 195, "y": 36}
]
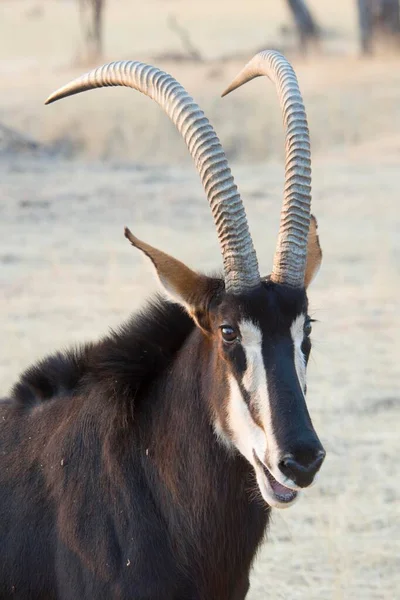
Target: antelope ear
[
  {"x": 191, "y": 290},
  {"x": 314, "y": 253}
]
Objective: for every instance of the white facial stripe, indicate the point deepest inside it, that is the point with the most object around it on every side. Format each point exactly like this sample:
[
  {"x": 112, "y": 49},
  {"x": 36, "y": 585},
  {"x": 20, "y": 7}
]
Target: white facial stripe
[
  {"x": 247, "y": 435},
  {"x": 255, "y": 383},
  {"x": 248, "y": 438},
  {"x": 297, "y": 333}
]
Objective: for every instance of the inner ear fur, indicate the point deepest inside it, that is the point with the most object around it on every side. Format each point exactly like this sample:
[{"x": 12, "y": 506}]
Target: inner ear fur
[
  {"x": 314, "y": 253},
  {"x": 192, "y": 290}
]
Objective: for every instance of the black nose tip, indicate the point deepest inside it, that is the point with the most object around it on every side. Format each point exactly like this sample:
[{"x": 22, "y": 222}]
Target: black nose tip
[{"x": 301, "y": 467}]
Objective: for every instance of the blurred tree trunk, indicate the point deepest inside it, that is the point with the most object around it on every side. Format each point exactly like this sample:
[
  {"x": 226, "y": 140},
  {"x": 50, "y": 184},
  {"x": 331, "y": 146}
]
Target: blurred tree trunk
[
  {"x": 305, "y": 22},
  {"x": 391, "y": 16},
  {"x": 378, "y": 16},
  {"x": 91, "y": 15},
  {"x": 365, "y": 18}
]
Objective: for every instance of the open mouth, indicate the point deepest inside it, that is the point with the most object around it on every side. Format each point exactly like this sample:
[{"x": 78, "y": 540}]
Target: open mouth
[{"x": 281, "y": 493}]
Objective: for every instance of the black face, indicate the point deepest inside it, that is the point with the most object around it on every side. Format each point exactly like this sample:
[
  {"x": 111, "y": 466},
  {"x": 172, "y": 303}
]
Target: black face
[
  {"x": 263, "y": 342},
  {"x": 272, "y": 309}
]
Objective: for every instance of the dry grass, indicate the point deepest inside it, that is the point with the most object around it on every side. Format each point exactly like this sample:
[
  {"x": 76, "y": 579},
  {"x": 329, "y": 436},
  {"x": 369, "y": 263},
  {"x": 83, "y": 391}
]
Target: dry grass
[
  {"x": 67, "y": 274},
  {"x": 39, "y": 56}
]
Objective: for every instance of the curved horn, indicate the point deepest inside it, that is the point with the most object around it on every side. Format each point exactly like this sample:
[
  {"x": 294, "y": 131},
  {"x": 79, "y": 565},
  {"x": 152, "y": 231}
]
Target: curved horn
[
  {"x": 291, "y": 250},
  {"x": 239, "y": 257}
]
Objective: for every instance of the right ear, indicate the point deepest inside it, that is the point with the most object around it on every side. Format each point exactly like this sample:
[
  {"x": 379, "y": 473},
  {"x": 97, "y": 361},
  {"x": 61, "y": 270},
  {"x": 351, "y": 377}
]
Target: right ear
[
  {"x": 191, "y": 290},
  {"x": 314, "y": 253}
]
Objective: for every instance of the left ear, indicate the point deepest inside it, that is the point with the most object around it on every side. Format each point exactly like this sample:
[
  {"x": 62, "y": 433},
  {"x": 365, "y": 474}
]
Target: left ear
[
  {"x": 191, "y": 290},
  {"x": 314, "y": 253}
]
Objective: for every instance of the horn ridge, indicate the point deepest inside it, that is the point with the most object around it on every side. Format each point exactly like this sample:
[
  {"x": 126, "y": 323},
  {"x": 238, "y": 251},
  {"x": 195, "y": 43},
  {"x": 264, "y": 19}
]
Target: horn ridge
[
  {"x": 239, "y": 257},
  {"x": 291, "y": 251}
]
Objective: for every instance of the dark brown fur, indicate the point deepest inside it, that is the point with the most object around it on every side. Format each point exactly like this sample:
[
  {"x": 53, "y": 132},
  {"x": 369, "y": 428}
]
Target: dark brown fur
[{"x": 112, "y": 482}]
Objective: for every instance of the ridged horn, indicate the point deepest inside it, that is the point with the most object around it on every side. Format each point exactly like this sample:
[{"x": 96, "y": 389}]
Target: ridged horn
[
  {"x": 239, "y": 257},
  {"x": 291, "y": 250}
]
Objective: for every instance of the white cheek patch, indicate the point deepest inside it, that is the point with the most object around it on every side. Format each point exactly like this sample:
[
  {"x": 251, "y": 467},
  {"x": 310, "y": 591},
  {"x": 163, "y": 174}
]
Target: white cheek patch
[
  {"x": 247, "y": 433},
  {"x": 254, "y": 378},
  {"x": 297, "y": 333}
]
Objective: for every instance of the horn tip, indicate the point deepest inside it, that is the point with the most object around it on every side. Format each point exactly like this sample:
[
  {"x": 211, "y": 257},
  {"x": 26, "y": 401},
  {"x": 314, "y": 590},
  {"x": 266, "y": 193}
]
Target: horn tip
[
  {"x": 130, "y": 237},
  {"x": 226, "y": 92},
  {"x": 230, "y": 88},
  {"x": 245, "y": 75},
  {"x": 57, "y": 95}
]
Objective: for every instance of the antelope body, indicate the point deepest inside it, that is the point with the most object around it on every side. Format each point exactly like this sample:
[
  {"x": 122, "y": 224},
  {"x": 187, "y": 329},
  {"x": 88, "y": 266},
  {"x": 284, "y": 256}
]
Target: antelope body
[{"x": 144, "y": 466}]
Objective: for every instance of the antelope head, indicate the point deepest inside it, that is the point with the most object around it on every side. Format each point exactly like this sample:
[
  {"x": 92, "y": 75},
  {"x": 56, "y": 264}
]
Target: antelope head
[{"x": 257, "y": 329}]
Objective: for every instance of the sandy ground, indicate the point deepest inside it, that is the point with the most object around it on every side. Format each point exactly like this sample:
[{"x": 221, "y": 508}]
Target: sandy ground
[{"x": 68, "y": 275}]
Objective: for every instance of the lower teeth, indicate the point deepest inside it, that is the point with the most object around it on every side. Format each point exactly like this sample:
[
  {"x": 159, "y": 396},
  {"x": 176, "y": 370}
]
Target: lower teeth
[{"x": 285, "y": 494}]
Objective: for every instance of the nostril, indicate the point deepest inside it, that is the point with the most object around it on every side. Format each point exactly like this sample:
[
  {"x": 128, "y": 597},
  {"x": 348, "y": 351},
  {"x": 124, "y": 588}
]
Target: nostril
[
  {"x": 290, "y": 467},
  {"x": 302, "y": 470}
]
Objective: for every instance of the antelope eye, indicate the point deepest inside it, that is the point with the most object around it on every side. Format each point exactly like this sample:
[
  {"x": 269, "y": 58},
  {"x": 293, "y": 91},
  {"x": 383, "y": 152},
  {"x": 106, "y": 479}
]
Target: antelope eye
[
  {"x": 307, "y": 327},
  {"x": 229, "y": 334}
]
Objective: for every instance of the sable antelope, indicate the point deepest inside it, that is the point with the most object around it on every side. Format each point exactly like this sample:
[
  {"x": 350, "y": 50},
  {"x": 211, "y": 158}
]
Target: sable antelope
[{"x": 144, "y": 466}]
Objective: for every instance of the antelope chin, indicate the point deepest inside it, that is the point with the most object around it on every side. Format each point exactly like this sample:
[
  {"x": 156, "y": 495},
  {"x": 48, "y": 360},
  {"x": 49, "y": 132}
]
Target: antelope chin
[{"x": 274, "y": 493}]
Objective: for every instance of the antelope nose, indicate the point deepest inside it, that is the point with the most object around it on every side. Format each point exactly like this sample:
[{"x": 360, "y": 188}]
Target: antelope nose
[{"x": 301, "y": 467}]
